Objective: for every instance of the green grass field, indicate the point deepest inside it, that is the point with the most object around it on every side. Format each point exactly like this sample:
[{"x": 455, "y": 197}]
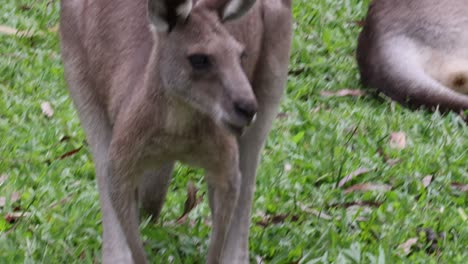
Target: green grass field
[{"x": 410, "y": 206}]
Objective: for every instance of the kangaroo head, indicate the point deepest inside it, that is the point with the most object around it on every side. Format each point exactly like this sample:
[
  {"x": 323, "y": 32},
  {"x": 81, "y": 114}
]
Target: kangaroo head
[{"x": 200, "y": 62}]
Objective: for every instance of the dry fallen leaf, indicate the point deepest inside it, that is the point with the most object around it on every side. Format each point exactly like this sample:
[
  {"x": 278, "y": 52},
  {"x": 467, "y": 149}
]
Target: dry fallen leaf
[
  {"x": 15, "y": 196},
  {"x": 323, "y": 215},
  {"x": 3, "y": 178},
  {"x": 406, "y": 246},
  {"x": 296, "y": 72},
  {"x": 259, "y": 259},
  {"x": 426, "y": 181},
  {"x": 65, "y": 138},
  {"x": 25, "y": 7},
  {"x": 83, "y": 255},
  {"x": 47, "y": 109},
  {"x": 353, "y": 175},
  {"x": 314, "y": 212},
  {"x": 368, "y": 187},
  {"x": 355, "y": 203},
  {"x": 398, "y": 140},
  {"x": 343, "y": 92},
  {"x": 190, "y": 203},
  {"x": 392, "y": 162},
  {"x": 459, "y": 186},
  {"x": 359, "y": 23},
  {"x": 70, "y": 153},
  {"x": 6, "y": 30},
  {"x": 277, "y": 219},
  {"x": 315, "y": 110},
  {"x": 282, "y": 115},
  {"x": 14, "y": 216},
  {"x": 61, "y": 202}
]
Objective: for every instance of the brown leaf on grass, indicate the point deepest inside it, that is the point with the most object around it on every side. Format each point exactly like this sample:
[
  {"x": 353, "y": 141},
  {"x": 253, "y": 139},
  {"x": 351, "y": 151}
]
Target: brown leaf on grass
[
  {"x": 281, "y": 115},
  {"x": 6, "y": 30},
  {"x": 3, "y": 178},
  {"x": 277, "y": 219},
  {"x": 426, "y": 181},
  {"x": 15, "y": 196},
  {"x": 459, "y": 186},
  {"x": 314, "y": 212},
  {"x": 70, "y": 153},
  {"x": 11, "y": 218},
  {"x": 368, "y": 187},
  {"x": 343, "y": 92},
  {"x": 82, "y": 255},
  {"x": 398, "y": 140},
  {"x": 61, "y": 202},
  {"x": 259, "y": 259},
  {"x": 407, "y": 245},
  {"x": 359, "y": 23},
  {"x": 355, "y": 203},
  {"x": 353, "y": 175},
  {"x": 25, "y": 7},
  {"x": 392, "y": 162},
  {"x": 296, "y": 72},
  {"x": 191, "y": 202},
  {"x": 463, "y": 116},
  {"x": 47, "y": 109},
  {"x": 315, "y": 110},
  {"x": 321, "y": 214},
  {"x": 64, "y": 138}
]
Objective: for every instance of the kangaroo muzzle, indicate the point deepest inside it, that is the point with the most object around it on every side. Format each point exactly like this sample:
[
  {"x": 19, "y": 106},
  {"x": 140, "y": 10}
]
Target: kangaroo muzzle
[{"x": 246, "y": 110}]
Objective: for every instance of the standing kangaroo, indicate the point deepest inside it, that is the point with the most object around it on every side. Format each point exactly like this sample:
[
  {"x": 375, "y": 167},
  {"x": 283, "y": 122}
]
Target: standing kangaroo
[
  {"x": 159, "y": 81},
  {"x": 416, "y": 52}
]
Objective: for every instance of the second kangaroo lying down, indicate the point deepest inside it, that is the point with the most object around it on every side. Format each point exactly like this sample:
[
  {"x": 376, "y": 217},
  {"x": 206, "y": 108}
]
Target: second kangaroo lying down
[{"x": 416, "y": 52}]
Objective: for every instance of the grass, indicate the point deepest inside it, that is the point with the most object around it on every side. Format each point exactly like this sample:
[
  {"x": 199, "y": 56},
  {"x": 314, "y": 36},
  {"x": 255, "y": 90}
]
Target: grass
[{"x": 315, "y": 142}]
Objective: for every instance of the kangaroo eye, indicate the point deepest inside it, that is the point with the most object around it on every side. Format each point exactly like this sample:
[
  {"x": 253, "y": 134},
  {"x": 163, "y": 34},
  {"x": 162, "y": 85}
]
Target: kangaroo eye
[{"x": 199, "y": 61}]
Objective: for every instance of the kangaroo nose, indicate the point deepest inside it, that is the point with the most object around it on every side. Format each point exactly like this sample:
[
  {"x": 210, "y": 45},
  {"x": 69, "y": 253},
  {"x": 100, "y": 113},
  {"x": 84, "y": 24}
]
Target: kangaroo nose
[{"x": 246, "y": 109}]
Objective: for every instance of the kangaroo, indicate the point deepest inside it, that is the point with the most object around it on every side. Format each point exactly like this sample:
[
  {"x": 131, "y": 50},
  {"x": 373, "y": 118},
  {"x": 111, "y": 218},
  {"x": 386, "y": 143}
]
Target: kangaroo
[
  {"x": 416, "y": 52},
  {"x": 160, "y": 81}
]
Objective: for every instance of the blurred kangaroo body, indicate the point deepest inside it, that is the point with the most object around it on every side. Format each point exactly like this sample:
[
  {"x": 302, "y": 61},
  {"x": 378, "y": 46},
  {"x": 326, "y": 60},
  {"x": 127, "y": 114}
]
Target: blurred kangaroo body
[
  {"x": 159, "y": 81},
  {"x": 416, "y": 52}
]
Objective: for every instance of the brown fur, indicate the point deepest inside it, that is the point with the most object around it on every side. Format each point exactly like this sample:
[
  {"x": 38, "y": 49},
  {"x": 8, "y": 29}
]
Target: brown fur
[
  {"x": 143, "y": 106},
  {"x": 416, "y": 52}
]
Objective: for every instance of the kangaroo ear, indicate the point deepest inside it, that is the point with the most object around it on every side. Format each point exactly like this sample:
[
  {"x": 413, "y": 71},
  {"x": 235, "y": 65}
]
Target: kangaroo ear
[
  {"x": 236, "y": 8},
  {"x": 229, "y": 9},
  {"x": 164, "y": 14}
]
